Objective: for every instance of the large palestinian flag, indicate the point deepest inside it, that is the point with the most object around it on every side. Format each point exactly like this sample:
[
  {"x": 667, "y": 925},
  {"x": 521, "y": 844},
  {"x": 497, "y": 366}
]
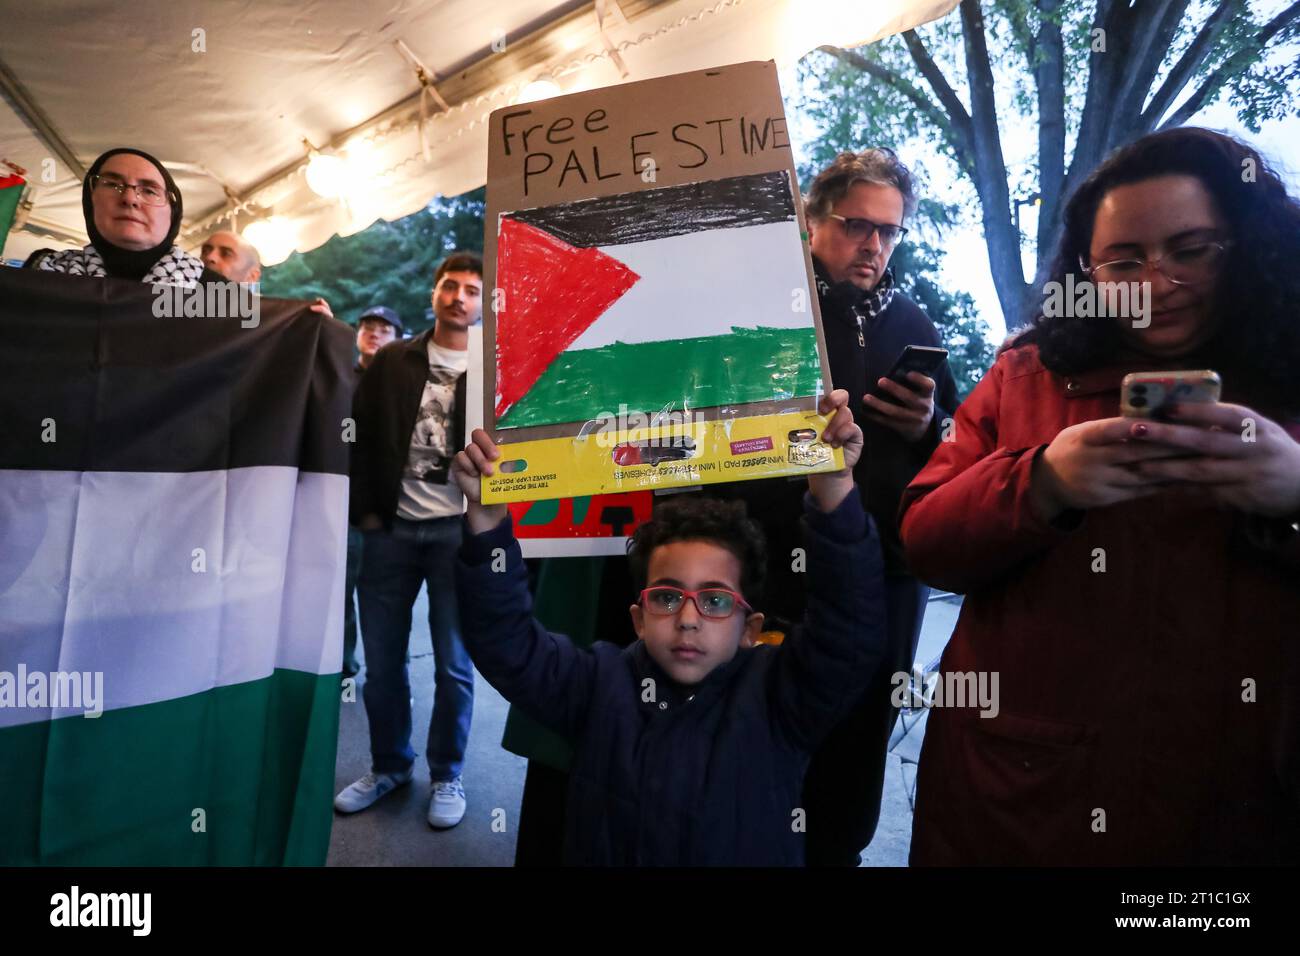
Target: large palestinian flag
[
  {"x": 692, "y": 295},
  {"x": 172, "y": 549}
]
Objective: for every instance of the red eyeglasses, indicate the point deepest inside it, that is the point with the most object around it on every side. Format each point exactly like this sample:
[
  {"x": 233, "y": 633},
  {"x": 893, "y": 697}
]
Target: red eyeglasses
[{"x": 714, "y": 603}]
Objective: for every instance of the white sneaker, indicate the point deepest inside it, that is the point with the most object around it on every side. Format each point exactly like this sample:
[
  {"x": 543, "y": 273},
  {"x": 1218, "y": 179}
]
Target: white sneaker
[
  {"x": 447, "y": 805},
  {"x": 368, "y": 789}
]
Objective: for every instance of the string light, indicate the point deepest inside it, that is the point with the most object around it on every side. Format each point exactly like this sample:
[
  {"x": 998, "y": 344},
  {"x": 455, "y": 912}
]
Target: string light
[
  {"x": 326, "y": 175},
  {"x": 273, "y": 238},
  {"x": 542, "y": 88}
]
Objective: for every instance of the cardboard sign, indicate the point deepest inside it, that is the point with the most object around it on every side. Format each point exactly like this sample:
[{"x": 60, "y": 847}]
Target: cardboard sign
[
  {"x": 652, "y": 322},
  {"x": 587, "y": 526}
]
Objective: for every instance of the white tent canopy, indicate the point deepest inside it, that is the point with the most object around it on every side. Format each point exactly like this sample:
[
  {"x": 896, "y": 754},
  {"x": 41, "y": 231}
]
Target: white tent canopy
[{"x": 225, "y": 93}]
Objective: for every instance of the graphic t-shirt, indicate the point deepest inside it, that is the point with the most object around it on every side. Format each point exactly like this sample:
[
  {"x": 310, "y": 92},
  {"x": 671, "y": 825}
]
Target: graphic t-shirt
[{"x": 428, "y": 490}]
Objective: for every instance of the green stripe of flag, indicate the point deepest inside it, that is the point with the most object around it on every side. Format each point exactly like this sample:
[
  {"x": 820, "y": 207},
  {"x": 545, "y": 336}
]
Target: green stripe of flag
[
  {"x": 749, "y": 365},
  {"x": 122, "y": 789}
]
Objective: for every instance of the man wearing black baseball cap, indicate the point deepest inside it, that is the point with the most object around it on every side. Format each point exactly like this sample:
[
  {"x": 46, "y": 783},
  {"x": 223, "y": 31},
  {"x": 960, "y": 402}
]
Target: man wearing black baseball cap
[{"x": 376, "y": 327}]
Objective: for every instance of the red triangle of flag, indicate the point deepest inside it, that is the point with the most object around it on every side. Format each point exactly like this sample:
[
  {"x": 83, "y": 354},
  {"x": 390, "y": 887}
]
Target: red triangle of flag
[{"x": 552, "y": 293}]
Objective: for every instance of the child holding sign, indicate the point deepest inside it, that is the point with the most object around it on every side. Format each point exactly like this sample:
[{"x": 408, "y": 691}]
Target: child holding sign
[{"x": 692, "y": 743}]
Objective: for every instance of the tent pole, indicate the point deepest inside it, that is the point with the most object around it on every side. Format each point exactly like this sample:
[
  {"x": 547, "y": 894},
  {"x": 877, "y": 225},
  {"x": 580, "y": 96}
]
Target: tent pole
[{"x": 36, "y": 118}]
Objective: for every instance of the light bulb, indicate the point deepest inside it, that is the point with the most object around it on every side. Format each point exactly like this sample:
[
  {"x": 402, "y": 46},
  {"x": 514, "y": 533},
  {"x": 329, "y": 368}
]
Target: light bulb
[
  {"x": 361, "y": 157},
  {"x": 273, "y": 238},
  {"x": 540, "y": 89},
  {"x": 326, "y": 175}
]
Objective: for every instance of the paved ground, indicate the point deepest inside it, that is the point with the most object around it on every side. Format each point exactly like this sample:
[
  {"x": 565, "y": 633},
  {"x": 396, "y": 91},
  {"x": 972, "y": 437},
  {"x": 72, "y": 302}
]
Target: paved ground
[
  {"x": 894, "y": 831},
  {"x": 394, "y": 833}
]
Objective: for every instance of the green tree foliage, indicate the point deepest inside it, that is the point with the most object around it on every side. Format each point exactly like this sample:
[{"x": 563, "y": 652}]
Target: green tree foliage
[
  {"x": 954, "y": 314},
  {"x": 389, "y": 263},
  {"x": 1081, "y": 77}
]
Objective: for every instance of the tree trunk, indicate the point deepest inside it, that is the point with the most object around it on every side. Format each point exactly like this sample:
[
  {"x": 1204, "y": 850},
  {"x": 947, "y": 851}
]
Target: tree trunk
[
  {"x": 1111, "y": 28},
  {"x": 1048, "y": 53},
  {"x": 991, "y": 172},
  {"x": 1136, "y": 39}
]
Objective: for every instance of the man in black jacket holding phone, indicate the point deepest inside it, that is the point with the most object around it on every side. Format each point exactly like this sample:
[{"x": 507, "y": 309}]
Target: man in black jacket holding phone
[{"x": 856, "y": 211}]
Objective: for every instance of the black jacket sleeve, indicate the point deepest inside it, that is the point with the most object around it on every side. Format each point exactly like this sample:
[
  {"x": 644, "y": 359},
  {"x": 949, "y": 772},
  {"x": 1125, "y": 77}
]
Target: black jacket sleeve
[
  {"x": 542, "y": 673},
  {"x": 827, "y": 665},
  {"x": 368, "y": 410}
]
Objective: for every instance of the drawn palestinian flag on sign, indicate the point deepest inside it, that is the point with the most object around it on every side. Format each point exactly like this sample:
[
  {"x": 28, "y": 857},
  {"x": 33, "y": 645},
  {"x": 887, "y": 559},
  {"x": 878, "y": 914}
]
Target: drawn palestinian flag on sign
[
  {"x": 694, "y": 295},
  {"x": 11, "y": 190}
]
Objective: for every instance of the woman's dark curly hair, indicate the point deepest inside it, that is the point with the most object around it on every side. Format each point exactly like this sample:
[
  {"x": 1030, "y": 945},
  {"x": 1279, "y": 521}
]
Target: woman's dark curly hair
[
  {"x": 1257, "y": 346},
  {"x": 693, "y": 517}
]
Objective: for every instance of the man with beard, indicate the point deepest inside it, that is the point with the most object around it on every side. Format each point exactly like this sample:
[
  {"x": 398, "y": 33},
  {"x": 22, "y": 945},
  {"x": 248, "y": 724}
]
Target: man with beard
[
  {"x": 237, "y": 260},
  {"x": 856, "y": 210}
]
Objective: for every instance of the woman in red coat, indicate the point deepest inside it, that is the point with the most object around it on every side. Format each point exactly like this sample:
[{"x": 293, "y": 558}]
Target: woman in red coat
[{"x": 1134, "y": 585}]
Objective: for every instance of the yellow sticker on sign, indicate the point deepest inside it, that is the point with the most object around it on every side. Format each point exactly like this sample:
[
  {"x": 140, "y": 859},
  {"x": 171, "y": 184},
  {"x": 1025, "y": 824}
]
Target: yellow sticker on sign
[{"x": 670, "y": 456}]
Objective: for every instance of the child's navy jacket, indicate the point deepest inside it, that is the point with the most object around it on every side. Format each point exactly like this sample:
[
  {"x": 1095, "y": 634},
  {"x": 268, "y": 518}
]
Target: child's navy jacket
[{"x": 676, "y": 776}]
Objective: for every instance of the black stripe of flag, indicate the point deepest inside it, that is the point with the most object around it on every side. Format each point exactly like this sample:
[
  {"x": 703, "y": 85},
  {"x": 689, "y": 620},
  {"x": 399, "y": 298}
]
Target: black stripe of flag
[
  {"x": 129, "y": 391},
  {"x": 670, "y": 211}
]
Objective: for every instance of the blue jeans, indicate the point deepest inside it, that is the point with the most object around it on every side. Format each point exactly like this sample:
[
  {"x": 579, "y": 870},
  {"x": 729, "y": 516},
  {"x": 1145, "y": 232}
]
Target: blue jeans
[{"x": 395, "y": 565}]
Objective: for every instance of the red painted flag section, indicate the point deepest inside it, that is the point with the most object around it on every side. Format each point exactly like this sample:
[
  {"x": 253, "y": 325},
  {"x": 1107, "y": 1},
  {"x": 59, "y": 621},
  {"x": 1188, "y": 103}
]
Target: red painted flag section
[
  {"x": 615, "y": 515},
  {"x": 552, "y": 293}
]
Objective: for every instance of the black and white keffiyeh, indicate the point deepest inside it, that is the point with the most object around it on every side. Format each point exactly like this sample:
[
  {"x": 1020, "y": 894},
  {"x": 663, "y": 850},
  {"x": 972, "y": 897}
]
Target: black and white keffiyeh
[
  {"x": 878, "y": 299},
  {"x": 868, "y": 304},
  {"x": 176, "y": 267}
]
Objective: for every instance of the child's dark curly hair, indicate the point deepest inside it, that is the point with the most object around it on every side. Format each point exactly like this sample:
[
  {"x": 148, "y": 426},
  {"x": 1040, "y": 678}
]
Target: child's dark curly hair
[{"x": 694, "y": 517}]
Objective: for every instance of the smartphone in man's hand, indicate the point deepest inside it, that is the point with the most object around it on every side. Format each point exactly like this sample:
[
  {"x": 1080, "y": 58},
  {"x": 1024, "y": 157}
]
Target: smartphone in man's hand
[{"x": 914, "y": 358}]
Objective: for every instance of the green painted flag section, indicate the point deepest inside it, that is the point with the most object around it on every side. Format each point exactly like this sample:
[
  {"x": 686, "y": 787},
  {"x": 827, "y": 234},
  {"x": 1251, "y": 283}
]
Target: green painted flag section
[{"x": 748, "y": 365}]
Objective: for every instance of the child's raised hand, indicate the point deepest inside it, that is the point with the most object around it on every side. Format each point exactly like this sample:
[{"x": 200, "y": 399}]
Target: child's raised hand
[
  {"x": 467, "y": 468},
  {"x": 842, "y": 431},
  {"x": 830, "y": 488},
  {"x": 474, "y": 462}
]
